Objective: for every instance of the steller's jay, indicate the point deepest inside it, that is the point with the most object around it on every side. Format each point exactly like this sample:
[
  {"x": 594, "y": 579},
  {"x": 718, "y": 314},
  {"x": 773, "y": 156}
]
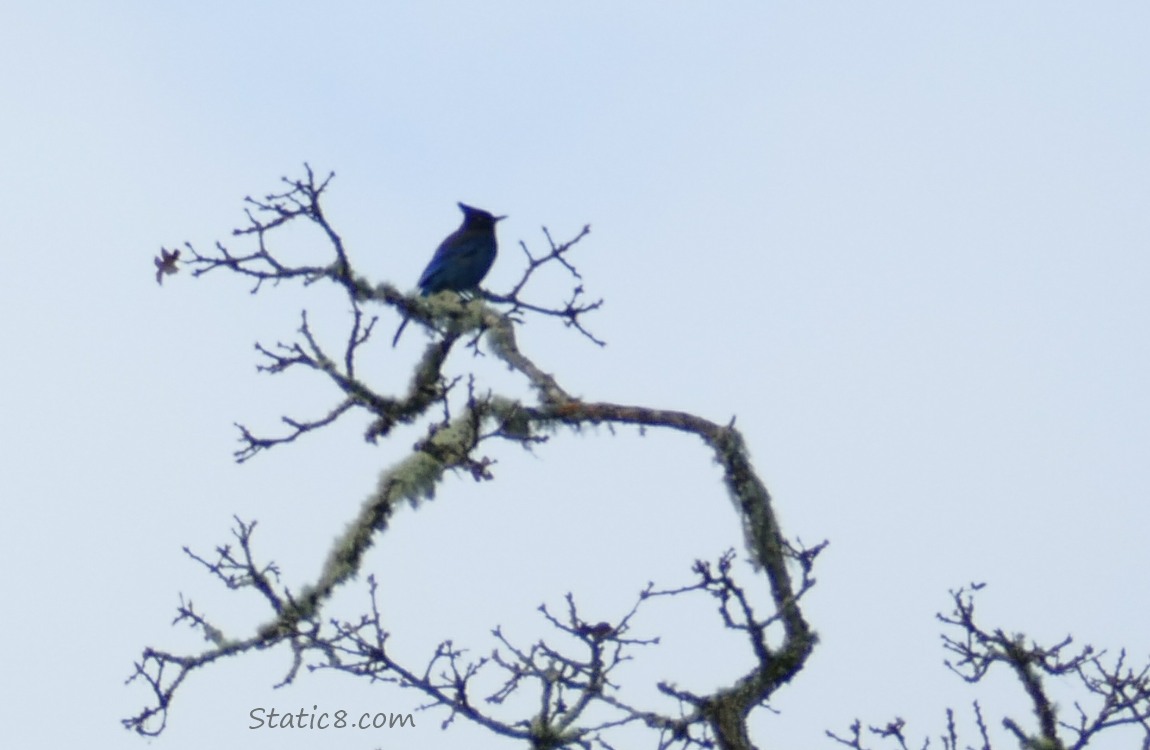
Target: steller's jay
[{"x": 462, "y": 259}]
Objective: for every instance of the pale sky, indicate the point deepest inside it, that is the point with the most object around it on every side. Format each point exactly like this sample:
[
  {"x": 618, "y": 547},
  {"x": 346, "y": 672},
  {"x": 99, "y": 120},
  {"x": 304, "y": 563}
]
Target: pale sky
[{"x": 904, "y": 243}]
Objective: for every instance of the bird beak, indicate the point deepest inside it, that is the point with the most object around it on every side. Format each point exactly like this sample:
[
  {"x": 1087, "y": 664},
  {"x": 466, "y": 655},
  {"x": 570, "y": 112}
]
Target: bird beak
[{"x": 498, "y": 218}]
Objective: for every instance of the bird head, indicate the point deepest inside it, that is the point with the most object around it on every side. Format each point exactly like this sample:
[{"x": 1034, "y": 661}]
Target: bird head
[{"x": 477, "y": 216}]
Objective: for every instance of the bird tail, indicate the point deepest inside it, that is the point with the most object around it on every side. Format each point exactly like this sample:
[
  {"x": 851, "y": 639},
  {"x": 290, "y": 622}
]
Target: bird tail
[{"x": 398, "y": 333}]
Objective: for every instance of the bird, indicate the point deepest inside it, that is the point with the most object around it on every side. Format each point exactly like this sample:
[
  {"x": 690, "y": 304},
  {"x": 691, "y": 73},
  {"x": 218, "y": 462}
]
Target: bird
[{"x": 462, "y": 259}]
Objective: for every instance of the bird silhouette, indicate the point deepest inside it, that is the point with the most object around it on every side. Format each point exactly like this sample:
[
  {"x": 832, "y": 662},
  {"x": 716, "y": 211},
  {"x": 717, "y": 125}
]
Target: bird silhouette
[{"x": 462, "y": 259}]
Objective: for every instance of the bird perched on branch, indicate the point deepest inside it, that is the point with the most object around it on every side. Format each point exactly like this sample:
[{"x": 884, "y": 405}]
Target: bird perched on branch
[{"x": 462, "y": 259}]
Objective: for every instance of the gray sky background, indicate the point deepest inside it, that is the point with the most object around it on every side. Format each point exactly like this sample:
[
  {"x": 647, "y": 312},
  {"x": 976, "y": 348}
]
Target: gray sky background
[{"x": 905, "y": 243}]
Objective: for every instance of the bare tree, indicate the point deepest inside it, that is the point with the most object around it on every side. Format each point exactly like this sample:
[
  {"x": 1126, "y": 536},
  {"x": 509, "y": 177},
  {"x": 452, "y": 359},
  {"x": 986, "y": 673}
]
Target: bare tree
[
  {"x": 1114, "y": 695},
  {"x": 577, "y": 699}
]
